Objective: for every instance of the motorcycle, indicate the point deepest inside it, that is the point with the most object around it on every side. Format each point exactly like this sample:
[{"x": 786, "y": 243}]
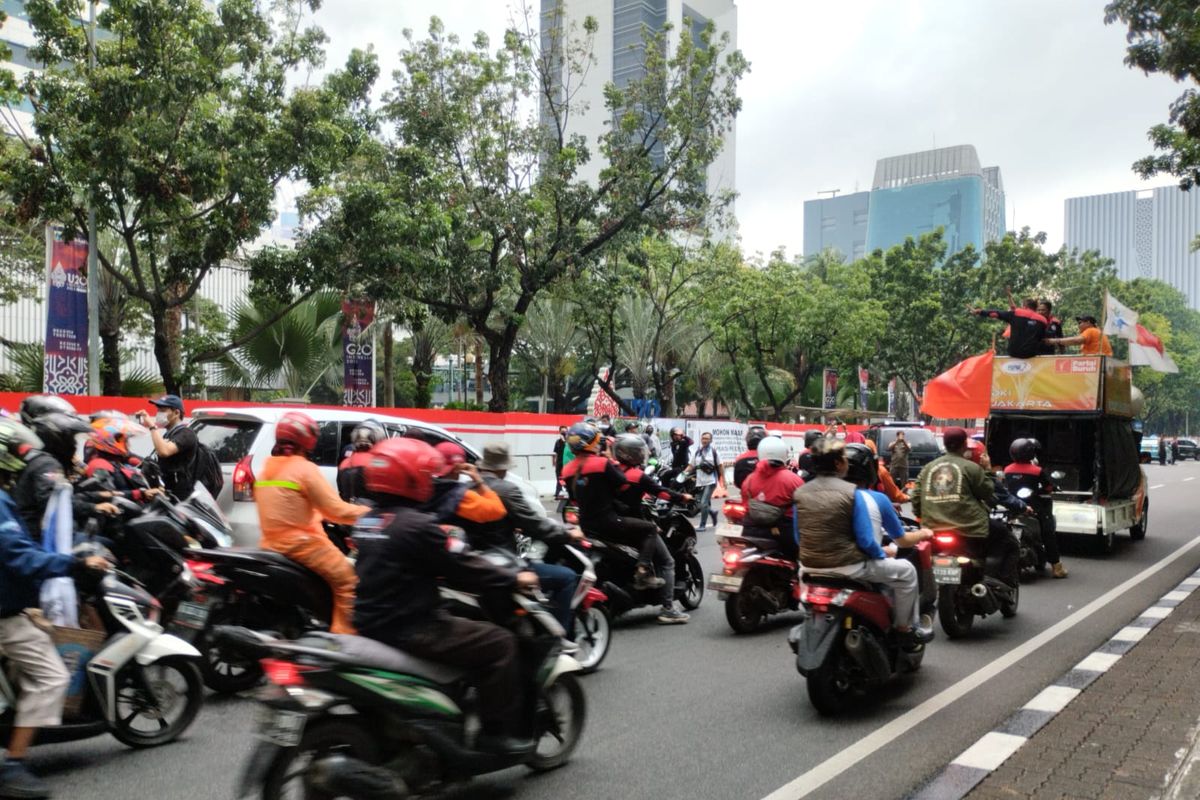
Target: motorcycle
[
  {"x": 967, "y": 587},
  {"x": 257, "y": 589},
  {"x": 847, "y": 643},
  {"x": 347, "y": 716},
  {"x": 592, "y": 619},
  {"x": 142, "y": 686},
  {"x": 756, "y": 581},
  {"x": 1028, "y": 527}
]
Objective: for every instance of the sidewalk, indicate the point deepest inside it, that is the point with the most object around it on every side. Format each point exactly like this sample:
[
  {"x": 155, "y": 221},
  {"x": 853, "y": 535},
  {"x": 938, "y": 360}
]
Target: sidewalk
[{"x": 1131, "y": 733}]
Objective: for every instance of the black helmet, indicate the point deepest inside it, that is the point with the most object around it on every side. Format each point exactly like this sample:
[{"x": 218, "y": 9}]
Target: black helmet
[
  {"x": 630, "y": 450},
  {"x": 583, "y": 438},
  {"x": 810, "y": 438},
  {"x": 366, "y": 435},
  {"x": 863, "y": 470},
  {"x": 754, "y": 435},
  {"x": 38, "y": 405},
  {"x": 58, "y": 432},
  {"x": 1024, "y": 451}
]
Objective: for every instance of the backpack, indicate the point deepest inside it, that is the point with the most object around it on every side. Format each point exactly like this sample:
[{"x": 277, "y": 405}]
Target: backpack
[{"x": 206, "y": 469}]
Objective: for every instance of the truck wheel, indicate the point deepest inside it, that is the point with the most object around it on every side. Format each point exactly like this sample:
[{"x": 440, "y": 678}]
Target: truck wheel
[{"x": 1138, "y": 531}]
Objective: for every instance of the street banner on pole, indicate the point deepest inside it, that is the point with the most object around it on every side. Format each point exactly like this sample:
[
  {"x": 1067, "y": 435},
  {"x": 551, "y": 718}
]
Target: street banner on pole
[
  {"x": 830, "y": 382},
  {"x": 358, "y": 354},
  {"x": 864, "y": 378},
  {"x": 891, "y": 412},
  {"x": 66, "y": 361}
]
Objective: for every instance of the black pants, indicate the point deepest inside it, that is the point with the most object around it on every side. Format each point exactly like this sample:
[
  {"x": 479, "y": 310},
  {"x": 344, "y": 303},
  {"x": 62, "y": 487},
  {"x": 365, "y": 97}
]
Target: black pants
[
  {"x": 643, "y": 534},
  {"x": 488, "y": 651},
  {"x": 1045, "y": 516},
  {"x": 1002, "y": 544}
]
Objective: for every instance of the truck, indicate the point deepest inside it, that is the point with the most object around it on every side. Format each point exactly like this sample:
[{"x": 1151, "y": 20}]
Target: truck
[{"x": 1081, "y": 409}]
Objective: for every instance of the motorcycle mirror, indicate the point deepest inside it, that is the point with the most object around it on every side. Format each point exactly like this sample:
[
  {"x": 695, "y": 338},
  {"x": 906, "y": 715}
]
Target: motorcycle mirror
[
  {"x": 1058, "y": 475},
  {"x": 1024, "y": 493}
]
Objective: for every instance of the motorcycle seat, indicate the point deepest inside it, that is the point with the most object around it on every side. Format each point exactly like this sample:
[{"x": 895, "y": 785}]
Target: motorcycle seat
[
  {"x": 233, "y": 555},
  {"x": 836, "y": 580},
  {"x": 360, "y": 651}
]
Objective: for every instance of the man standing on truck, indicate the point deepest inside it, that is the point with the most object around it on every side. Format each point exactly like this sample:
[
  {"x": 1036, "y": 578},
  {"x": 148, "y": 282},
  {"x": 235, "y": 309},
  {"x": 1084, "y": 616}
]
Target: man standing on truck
[
  {"x": 1027, "y": 328},
  {"x": 1090, "y": 340}
]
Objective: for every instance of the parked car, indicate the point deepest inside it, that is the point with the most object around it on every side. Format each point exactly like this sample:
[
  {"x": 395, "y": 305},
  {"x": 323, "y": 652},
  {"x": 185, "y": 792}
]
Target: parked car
[
  {"x": 1188, "y": 448},
  {"x": 923, "y": 443},
  {"x": 1148, "y": 451},
  {"x": 242, "y": 439}
]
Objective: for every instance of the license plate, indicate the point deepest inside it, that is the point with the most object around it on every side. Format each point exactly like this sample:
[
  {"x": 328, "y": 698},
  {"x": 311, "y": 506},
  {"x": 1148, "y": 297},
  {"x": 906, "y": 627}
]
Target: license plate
[
  {"x": 191, "y": 615},
  {"x": 947, "y": 573},
  {"x": 284, "y": 728},
  {"x": 724, "y": 583}
]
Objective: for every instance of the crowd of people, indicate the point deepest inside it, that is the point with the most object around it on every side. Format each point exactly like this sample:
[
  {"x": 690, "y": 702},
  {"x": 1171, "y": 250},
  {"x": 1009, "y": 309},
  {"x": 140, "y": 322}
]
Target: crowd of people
[{"x": 1033, "y": 330}]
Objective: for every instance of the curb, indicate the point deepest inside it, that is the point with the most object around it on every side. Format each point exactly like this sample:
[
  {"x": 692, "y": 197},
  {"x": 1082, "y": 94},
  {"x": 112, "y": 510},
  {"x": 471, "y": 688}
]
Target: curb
[{"x": 982, "y": 758}]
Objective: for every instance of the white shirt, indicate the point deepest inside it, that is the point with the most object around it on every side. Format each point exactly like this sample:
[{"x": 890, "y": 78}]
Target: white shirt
[{"x": 705, "y": 455}]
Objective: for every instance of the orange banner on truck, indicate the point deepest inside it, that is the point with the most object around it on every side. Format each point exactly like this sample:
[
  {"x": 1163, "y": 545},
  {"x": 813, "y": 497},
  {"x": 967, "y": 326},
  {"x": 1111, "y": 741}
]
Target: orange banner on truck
[{"x": 1061, "y": 383}]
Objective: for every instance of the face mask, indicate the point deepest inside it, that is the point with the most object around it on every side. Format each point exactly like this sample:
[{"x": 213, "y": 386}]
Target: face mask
[{"x": 160, "y": 419}]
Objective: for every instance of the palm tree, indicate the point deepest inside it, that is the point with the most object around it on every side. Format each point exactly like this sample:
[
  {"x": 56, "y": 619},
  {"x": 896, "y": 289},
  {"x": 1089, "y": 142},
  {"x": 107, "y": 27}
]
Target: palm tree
[
  {"x": 429, "y": 340},
  {"x": 548, "y": 341}
]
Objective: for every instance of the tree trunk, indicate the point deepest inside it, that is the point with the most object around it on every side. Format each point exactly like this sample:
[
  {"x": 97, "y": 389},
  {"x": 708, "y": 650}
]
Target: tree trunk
[
  {"x": 162, "y": 350},
  {"x": 110, "y": 363},
  {"x": 545, "y": 391},
  {"x": 667, "y": 398},
  {"x": 498, "y": 362},
  {"x": 389, "y": 366},
  {"x": 478, "y": 371}
]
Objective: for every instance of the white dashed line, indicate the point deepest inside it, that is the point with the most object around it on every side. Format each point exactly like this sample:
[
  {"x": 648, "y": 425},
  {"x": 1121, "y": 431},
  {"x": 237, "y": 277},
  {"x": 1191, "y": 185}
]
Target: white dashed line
[
  {"x": 1185, "y": 480},
  {"x": 1158, "y": 612},
  {"x": 1098, "y": 662},
  {"x": 1158, "y": 486},
  {"x": 1130, "y": 634},
  {"x": 991, "y": 751},
  {"x": 1052, "y": 699}
]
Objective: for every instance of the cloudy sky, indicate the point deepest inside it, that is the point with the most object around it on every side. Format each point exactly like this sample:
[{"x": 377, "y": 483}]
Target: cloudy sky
[{"x": 1038, "y": 86}]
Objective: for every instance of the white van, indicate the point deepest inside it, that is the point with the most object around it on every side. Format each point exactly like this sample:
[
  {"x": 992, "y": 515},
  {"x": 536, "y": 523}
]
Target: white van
[{"x": 242, "y": 439}]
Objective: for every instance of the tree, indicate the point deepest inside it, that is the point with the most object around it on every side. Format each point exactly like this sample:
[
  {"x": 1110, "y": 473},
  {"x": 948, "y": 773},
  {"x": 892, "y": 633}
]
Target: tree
[
  {"x": 548, "y": 343},
  {"x": 178, "y": 137},
  {"x": 430, "y": 337},
  {"x": 481, "y": 206}
]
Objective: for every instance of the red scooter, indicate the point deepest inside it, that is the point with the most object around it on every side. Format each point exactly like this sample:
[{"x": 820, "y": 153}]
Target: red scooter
[{"x": 847, "y": 645}]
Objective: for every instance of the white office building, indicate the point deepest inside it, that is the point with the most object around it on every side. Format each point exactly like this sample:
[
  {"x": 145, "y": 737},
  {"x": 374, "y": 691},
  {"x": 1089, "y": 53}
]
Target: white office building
[{"x": 1147, "y": 233}]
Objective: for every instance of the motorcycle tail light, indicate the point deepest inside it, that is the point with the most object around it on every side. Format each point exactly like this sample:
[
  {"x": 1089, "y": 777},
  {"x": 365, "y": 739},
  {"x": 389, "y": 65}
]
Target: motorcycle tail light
[
  {"x": 284, "y": 673},
  {"x": 243, "y": 480},
  {"x": 943, "y": 540},
  {"x": 571, "y": 515},
  {"x": 731, "y": 558},
  {"x": 203, "y": 571}
]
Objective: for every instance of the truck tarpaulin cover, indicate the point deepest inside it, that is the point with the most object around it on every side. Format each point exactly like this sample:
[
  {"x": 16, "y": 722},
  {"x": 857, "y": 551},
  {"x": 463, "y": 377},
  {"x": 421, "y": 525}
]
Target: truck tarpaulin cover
[{"x": 1122, "y": 473}]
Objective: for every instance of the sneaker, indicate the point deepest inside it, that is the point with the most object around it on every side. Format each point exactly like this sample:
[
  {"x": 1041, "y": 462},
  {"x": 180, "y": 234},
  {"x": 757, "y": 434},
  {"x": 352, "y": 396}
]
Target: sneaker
[
  {"x": 914, "y": 639},
  {"x": 671, "y": 616},
  {"x": 1058, "y": 569},
  {"x": 645, "y": 579},
  {"x": 17, "y": 781}
]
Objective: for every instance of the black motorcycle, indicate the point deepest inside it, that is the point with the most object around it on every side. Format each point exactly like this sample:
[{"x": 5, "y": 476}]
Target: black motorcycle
[
  {"x": 257, "y": 589},
  {"x": 968, "y": 586}
]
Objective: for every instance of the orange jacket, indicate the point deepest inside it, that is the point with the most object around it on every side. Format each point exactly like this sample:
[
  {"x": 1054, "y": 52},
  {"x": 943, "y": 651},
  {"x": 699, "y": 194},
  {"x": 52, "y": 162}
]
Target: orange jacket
[
  {"x": 888, "y": 486},
  {"x": 293, "y": 497}
]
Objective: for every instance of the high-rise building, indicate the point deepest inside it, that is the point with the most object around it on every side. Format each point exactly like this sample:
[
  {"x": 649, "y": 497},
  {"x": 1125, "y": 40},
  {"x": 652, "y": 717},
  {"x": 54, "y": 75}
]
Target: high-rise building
[
  {"x": 17, "y": 36},
  {"x": 618, "y": 48},
  {"x": 1147, "y": 233},
  {"x": 911, "y": 195}
]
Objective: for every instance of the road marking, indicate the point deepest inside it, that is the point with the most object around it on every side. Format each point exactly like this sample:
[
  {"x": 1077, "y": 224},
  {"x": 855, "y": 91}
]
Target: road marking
[
  {"x": 1130, "y": 634},
  {"x": 1053, "y": 699},
  {"x": 1098, "y": 662},
  {"x": 1158, "y": 486},
  {"x": 1158, "y": 612},
  {"x": 1176, "y": 596},
  {"x": 835, "y": 765},
  {"x": 991, "y": 751},
  {"x": 1185, "y": 480}
]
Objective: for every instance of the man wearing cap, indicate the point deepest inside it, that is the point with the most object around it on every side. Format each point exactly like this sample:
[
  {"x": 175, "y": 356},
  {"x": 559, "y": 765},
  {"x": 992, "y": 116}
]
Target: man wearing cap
[
  {"x": 1091, "y": 341},
  {"x": 558, "y": 581},
  {"x": 954, "y": 493},
  {"x": 175, "y": 444},
  {"x": 458, "y": 502}
]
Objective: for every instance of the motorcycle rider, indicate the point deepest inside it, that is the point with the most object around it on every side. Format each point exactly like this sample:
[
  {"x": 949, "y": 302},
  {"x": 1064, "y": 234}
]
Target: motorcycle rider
[
  {"x": 594, "y": 483},
  {"x": 558, "y": 581},
  {"x": 804, "y": 462},
  {"x": 293, "y": 498},
  {"x": 27, "y": 646},
  {"x": 403, "y": 554},
  {"x": 681, "y": 450},
  {"x": 768, "y": 493},
  {"x": 746, "y": 461},
  {"x": 1024, "y": 471},
  {"x": 954, "y": 493},
  {"x": 365, "y": 435},
  {"x": 884, "y": 481},
  {"x": 464, "y": 504},
  {"x": 107, "y": 459},
  {"x": 48, "y": 467},
  {"x": 653, "y": 448},
  {"x": 839, "y": 537}
]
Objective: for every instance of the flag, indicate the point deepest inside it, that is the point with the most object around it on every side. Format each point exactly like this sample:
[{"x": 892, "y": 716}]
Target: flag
[
  {"x": 891, "y": 412},
  {"x": 358, "y": 353},
  {"x": 829, "y": 380},
  {"x": 1119, "y": 320},
  {"x": 864, "y": 378},
  {"x": 962, "y": 392},
  {"x": 65, "y": 369},
  {"x": 1146, "y": 350}
]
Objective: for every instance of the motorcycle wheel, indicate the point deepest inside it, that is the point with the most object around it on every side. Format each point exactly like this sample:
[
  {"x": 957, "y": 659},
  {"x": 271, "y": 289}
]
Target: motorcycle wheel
[
  {"x": 287, "y": 775},
  {"x": 829, "y": 685},
  {"x": 562, "y": 710},
  {"x": 742, "y": 612},
  {"x": 223, "y": 673},
  {"x": 593, "y": 634},
  {"x": 1009, "y": 610},
  {"x": 692, "y": 593},
  {"x": 157, "y": 702},
  {"x": 956, "y": 621}
]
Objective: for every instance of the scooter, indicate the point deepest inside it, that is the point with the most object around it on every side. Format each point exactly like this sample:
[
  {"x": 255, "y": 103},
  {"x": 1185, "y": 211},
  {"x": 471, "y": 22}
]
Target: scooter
[
  {"x": 592, "y": 619},
  {"x": 847, "y": 644},
  {"x": 347, "y": 716},
  {"x": 967, "y": 586},
  {"x": 756, "y": 581},
  {"x": 143, "y": 686}
]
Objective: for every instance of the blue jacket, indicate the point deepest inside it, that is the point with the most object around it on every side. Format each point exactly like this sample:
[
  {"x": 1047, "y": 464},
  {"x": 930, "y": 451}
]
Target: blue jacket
[{"x": 23, "y": 562}]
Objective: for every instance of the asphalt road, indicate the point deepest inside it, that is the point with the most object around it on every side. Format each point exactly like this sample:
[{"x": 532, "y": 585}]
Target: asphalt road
[{"x": 696, "y": 712}]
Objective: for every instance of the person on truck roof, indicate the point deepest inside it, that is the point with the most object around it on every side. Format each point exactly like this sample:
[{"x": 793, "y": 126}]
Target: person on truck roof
[
  {"x": 1027, "y": 328},
  {"x": 1091, "y": 341}
]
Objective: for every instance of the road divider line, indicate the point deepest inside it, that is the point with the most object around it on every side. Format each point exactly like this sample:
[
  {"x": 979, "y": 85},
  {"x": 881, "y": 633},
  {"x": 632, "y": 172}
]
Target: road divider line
[
  {"x": 1158, "y": 486},
  {"x": 1185, "y": 480},
  {"x": 835, "y": 765}
]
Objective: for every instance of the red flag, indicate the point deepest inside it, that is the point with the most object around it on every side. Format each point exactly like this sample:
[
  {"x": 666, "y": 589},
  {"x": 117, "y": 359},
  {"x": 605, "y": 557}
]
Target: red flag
[
  {"x": 1148, "y": 339},
  {"x": 962, "y": 392}
]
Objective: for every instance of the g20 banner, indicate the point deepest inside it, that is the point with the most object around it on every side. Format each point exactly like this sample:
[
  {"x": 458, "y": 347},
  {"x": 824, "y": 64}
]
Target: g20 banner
[
  {"x": 66, "y": 360},
  {"x": 830, "y": 383},
  {"x": 358, "y": 353}
]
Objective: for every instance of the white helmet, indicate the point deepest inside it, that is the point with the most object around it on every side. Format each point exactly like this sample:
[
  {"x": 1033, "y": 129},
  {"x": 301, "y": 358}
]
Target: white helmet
[{"x": 773, "y": 449}]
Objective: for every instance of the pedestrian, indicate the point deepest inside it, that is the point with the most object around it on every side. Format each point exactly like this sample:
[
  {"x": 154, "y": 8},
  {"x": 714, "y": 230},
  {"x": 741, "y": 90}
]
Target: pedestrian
[
  {"x": 710, "y": 474},
  {"x": 651, "y": 440},
  {"x": 898, "y": 464},
  {"x": 1090, "y": 340},
  {"x": 1174, "y": 449},
  {"x": 560, "y": 444},
  {"x": 1162, "y": 450},
  {"x": 175, "y": 444}
]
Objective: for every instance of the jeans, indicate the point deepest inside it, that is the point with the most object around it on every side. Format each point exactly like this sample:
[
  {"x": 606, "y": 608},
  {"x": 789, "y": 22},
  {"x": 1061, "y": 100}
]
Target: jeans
[
  {"x": 666, "y": 570},
  {"x": 559, "y": 583},
  {"x": 706, "y": 493}
]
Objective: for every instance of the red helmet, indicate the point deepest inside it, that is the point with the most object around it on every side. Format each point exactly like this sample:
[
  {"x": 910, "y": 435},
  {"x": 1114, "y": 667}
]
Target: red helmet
[
  {"x": 453, "y": 454},
  {"x": 404, "y": 467},
  {"x": 974, "y": 451},
  {"x": 297, "y": 428}
]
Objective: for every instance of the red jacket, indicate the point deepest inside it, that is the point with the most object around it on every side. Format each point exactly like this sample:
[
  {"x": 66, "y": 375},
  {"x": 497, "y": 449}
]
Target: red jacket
[{"x": 772, "y": 485}]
